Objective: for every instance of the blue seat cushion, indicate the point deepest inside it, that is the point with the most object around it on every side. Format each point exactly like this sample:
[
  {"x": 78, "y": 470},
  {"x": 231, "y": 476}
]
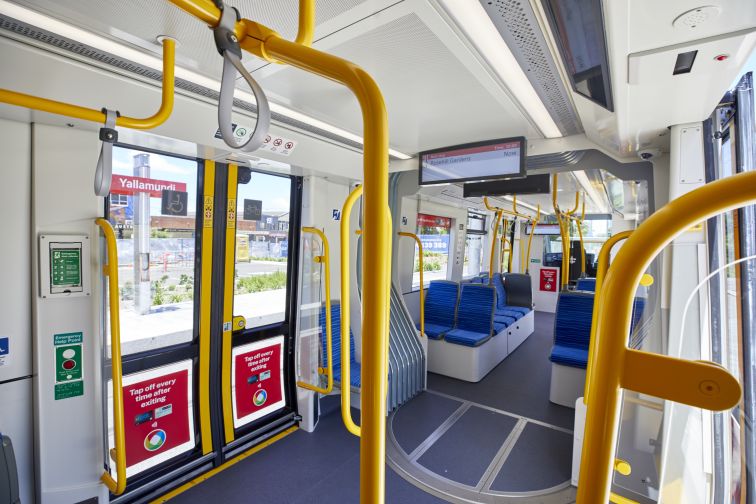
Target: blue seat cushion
[
  {"x": 586, "y": 284},
  {"x": 500, "y": 326},
  {"x": 524, "y": 310},
  {"x": 436, "y": 331},
  {"x": 569, "y": 356},
  {"x": 504, "y": 319},
  {"x": 355, "y": 374},
  {"x": 514, "y": 314},
  {"x": 466, "y": 338}
]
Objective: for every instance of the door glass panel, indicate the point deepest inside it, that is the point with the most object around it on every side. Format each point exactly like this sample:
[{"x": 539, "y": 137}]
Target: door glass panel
[
  {"x": 434, "y": 234},
  {"x": 152, "y": 206},
  {"x": 262, "y": 249}
]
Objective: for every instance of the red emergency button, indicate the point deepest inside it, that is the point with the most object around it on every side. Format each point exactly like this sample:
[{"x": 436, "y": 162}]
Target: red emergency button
[{"x": 69, "y": 364}]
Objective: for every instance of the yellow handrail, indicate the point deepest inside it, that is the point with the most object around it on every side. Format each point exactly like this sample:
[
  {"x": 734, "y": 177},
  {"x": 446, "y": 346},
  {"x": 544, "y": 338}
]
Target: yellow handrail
[
  {"x": 564, "y": 218},
  {"x": 530, "y": 239},
  {"x": 422, "y": 285},
  {"x": 616, "y": 367},
  {"x": 346, "y": 388},
  {"x": 493, "y": 243},
  {"x": 98, "y": 116},
  {"x": 579, "y": 224},
  {"x": 118, "y": 453},
  {"x": 325, "y": 259},
  {"x": 601, "y": 268}
]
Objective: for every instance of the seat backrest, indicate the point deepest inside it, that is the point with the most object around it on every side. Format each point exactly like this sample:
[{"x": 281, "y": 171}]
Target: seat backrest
[
  {"x": 572, "y": 322},
  {"x": 441, "y": 302},
  {"x": 586, "y": 284},
  {"x": 501, "y": 293},
  {"x": 519, "y": 290},
  {"x": 476, "y": 308},
  {"x": 335, "y": 335}
]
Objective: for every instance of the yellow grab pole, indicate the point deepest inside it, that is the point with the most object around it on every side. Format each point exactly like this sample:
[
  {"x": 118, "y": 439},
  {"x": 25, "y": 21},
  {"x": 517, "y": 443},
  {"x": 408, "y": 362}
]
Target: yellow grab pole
[
  {"x": 98, "y": 116},
  {"x": 118, "y": 453},
  {"x": 493, "y": 244},
  {"x": 325, "y": 260},
  {"x": 602, "y": 266},
  {"x": 267, "y": 44},
  {"x": 422, "y": 285},
  {"x": 530, "y": 239},
  {"x": 616, "y": 367},
  {"x": 346, "y": 388},
  {"x": 229, "y": 268},
  {"x": 306, "y": 29}
]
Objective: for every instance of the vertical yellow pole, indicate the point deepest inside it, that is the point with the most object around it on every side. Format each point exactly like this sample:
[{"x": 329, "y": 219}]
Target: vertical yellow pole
[
  {"x": 493, "y": 244},
  {"x": 530, "y": 239}
]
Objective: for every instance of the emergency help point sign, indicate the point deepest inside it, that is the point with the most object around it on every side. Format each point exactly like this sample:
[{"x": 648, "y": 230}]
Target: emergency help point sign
[
  {"x": 549, "y": 280},
  {"x": 158, "y": 419},
  {"x": 258, "y": 386}
]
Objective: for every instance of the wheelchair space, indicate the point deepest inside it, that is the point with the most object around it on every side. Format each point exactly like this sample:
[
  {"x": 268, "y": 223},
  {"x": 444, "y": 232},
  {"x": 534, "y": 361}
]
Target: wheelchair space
[{"x": 498, "y": 440}]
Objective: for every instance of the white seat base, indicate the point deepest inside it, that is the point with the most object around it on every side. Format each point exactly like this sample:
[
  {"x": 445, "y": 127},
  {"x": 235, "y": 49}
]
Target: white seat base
[
  {"x": 473, "y": 363},
  {"x": 567, "y": 384}
]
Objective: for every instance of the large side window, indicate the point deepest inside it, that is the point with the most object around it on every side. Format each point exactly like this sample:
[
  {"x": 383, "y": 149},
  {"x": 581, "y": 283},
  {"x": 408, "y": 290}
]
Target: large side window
[
  {"x": 152, "y": 207},
  {"x": 476, "y": 231},
  {"x": 262, "y": 249},
  {"x": 434, "y": 234}
]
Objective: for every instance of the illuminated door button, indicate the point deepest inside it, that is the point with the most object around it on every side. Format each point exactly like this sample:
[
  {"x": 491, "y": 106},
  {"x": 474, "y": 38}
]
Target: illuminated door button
[{"x": 69, "y": 364}]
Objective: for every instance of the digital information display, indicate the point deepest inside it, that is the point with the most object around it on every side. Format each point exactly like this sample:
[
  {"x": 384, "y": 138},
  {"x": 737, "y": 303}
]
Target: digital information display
[{"x": 490, "y": 160}]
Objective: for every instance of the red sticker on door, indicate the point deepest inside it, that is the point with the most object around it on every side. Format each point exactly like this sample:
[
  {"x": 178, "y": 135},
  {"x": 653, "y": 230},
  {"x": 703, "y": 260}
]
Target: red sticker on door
[
  {"x": 258, "y": 387},
  {"x": 158, "y": 420},
  {"x": 549, "y": 279}
]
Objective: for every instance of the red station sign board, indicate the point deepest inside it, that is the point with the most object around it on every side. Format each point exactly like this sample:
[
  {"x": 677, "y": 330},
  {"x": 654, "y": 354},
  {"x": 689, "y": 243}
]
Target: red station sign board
[
  {"x": 258, "y": 387},
  {"x": 549, "y": 279},
  {"x": 124, "y": 184}
]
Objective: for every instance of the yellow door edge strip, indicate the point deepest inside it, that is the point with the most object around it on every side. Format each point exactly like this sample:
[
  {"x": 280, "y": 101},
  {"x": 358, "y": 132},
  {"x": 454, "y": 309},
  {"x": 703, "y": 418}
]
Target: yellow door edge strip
[
  {"x": 228, "y": 303},
  {"x": 325, "y": 259},
  {"x": 422, "y": 284},
  {"x": 118, "y": 453},
  {"x": 346, "y": 388},
  {"x": 98, "y": 116},
  {"x": 206, "y": 289},
  {"x": 701, "y": 384},
  {"x": 212, "y": 472}
]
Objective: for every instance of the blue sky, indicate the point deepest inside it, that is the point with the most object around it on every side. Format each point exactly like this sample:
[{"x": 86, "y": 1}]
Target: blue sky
[{"x": 273, "y": 191}]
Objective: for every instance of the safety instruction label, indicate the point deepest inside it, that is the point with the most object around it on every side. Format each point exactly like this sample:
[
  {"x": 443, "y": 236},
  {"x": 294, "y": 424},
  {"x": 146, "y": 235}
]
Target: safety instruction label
[
  {"x": 65, "y": 267},
  {"x": 273, "y": 143},
  {"x": 158, "y": 419},
  {"x": 549, "y": 279},
  {"x": 208, "y": 212},
  {"x": 231, "y": 214},
  {"x": 258, "y": 386},
  {"x": 69, "y": 372},
  {"x": 4, "y": 352}
]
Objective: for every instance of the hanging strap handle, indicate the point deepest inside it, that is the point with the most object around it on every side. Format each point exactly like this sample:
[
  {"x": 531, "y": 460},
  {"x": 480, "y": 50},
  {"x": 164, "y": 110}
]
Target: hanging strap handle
[
  {"x": 228, "y": 46},
  {"x": 104, "y": 171}
]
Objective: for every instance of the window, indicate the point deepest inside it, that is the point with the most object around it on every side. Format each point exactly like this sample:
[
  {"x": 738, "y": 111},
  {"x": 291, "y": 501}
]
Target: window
[
  {"x": 262, "y": 249},
  {"x": 476, "y": 230},
  {"x": 155, "y": 249},
  {"x": 434, "y": 234}
]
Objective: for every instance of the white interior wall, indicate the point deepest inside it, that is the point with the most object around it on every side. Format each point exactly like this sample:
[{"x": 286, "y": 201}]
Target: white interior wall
[
  {"x": 64, "y": 161},
  {"x": 16, "y": 414}
]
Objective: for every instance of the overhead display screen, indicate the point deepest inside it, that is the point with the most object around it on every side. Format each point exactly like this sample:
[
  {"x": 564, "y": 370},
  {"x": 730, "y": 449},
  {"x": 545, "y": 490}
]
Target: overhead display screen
[{"x": 489, "y": 160}]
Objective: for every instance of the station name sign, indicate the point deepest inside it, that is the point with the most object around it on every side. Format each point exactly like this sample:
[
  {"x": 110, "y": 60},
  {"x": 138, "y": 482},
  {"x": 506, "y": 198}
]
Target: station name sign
[{"x": 124, "y": 184}]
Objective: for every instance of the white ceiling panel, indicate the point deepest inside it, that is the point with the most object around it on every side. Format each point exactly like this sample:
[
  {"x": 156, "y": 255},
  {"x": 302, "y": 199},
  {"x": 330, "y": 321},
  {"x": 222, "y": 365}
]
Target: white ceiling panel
[{"x": 437, "y": 92}]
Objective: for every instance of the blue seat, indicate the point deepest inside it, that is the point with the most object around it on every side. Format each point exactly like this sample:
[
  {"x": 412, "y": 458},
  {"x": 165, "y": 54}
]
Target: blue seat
[
  {"x": 354, "y": 366},
  {"x": 502, "y": 308},
  {"x": 475, "y": 316},
  {"x": 440, "y": 308},
  {"x": 572, "y": 329},
  {"x": 586, "y": 284}
]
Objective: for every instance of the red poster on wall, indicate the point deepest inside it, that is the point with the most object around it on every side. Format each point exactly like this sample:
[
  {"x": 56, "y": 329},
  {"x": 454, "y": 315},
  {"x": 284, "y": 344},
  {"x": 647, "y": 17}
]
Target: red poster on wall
[
  {"x": 158, "y": 418},
  {"x": 549, "y": 279},
  {"x": 258, "y": 387}
]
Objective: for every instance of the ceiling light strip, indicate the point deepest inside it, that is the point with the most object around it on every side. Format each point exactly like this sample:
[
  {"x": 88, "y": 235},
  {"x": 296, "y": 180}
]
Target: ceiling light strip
[
  {"x": 84, "y": 37},
  {"x": 472, "y": 19}
]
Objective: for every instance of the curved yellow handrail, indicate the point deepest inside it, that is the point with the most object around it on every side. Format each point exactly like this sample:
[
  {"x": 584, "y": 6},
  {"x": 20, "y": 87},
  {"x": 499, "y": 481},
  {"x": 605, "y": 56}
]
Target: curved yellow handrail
[
  {"x": 422, "y": 285},
  {"x": 616, "y": 367},
  {"x": 118, "y": 453},
  {"x": 346, "y": 389},
  {"x": 267, "y": 44},
  {"x": 493, "y": 242},
  {"x": 601, "y": 268},
  {"x": 579, "y": 224},
  {"x": 325, "y": 260},
  {"x": 98, "y": 116},
  {"x": 530, "y": 239}
]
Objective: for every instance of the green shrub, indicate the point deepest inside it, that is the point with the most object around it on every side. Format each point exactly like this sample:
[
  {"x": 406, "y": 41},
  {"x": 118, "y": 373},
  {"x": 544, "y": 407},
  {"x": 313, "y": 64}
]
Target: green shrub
[{"x": 261, "y": 283}]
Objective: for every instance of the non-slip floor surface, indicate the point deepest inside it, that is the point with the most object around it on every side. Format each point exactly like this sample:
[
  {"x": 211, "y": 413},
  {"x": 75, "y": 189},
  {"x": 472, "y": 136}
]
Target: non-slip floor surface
[
  {"x": 302, "y": 468},
  {"x": 520, "y": 384}
]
